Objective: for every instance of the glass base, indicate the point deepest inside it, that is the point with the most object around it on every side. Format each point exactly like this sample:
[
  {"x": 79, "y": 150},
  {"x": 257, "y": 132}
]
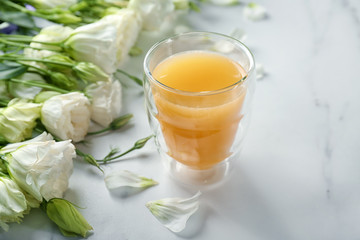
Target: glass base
[{"x": 201, "y": 179}]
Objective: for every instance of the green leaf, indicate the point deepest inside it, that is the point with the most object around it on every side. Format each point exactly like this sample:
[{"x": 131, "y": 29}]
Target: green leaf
[
  {"x": 11, "y": 15},
  {"x": 10, "y": 70}
]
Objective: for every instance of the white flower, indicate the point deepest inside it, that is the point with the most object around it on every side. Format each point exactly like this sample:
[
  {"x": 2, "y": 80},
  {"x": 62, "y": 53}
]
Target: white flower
[
  {"x": 124, "y": 178},
  {"x": 254, "y": 12},
  {"x": 50, "y": 34},
  {"x": 152, "y": 12},
  {"x": 13, "y": 146},
  {"x": 106, "y": 42},
  {"x": 20, "y": 90},
  {"x": 41, "y": 168},
  {"x": 18, "y": 119},
  {"x": 67, "y": 116},
  {"x": 173, "y": 213},
  {"x": 106, "y": 101},
  {"x": 48, "y": 4},
  {"x": 13, "y": 203}
]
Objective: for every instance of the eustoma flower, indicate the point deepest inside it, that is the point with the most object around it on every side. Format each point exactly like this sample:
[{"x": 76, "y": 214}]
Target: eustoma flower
[
  {"x": 106, "y": 42},
  {"x": 152, "y": 12},
  {"x": 106, "y": 101},
  {"x": 50, "y": 34},
  {"x": 18, "y": 119},
  {"x": 173, "y": 213},
  {"x": 67, "y": 116},
  {"x": 40, "y": 166},
  {"x": 13, "y": 203}
]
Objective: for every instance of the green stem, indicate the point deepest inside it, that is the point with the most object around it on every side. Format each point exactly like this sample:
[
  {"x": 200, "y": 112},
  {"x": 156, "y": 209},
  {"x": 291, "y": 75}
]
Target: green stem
[
  {"x": 37, "y": 68},
  {"x": 39, "y": 84},
  {"x": 15, "y": 36},
  {"x": 118, "y": 156},
  {"x": 136, "y": 79},
  {"x": 24, "y": 45},
  {"x": 35, "y": 60},
  {"x": 100, "y": 131},
  {"x": 138, "y": 144},
  {"x": 89, "y": 159},
  {"x": 22, "y": 38},
  {"x": 115, "y": 124},
  {"x": 23, "y": 9},
  {"x": 16, "y": 6}
]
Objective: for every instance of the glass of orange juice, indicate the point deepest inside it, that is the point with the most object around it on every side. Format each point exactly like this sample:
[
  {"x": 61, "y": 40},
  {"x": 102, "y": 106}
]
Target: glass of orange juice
[{"x": 198, "y": 91}]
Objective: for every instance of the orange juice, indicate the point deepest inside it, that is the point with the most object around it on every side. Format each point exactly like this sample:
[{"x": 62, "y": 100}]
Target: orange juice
[{"x": 199, "y": 126}]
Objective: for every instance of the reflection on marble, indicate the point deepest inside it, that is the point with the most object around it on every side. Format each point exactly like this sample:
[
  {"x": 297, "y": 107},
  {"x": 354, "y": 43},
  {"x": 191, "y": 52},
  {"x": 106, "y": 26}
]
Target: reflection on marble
[{"x": 299, "y": 176}]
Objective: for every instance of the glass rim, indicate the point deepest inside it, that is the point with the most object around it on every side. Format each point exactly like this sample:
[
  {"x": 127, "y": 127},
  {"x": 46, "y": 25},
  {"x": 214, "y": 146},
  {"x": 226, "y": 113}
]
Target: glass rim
[{"x": 246, "y": 50}]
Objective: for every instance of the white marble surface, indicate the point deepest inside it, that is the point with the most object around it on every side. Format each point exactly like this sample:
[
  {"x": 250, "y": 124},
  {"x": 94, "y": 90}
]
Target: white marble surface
[{"x": 299, "y": 176}]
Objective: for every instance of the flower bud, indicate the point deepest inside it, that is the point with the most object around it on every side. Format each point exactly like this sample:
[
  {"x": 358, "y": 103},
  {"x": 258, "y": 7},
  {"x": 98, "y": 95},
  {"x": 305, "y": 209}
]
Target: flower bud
[
  {"x": 59, "y": 15},
  {"x": 89, "y": 72},
  {"x": 43, "y": 96},
  {"x": 181, "y": 4},
  {"x": 67, "y": 217},
  {"x": 62, "y": 59},
  {"x": 61, "y": 80},
  {"x": 141, "y": 143},
  {"x": 120, "y": 121}
]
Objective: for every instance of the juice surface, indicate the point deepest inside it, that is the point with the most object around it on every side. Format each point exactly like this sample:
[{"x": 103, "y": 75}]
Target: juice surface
[
  {"x": 197, "y": 71},
  {"x": 199, "y": 130}
]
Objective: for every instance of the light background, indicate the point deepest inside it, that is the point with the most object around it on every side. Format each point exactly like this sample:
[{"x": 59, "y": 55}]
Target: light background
[{"x": 299, "y": 176}]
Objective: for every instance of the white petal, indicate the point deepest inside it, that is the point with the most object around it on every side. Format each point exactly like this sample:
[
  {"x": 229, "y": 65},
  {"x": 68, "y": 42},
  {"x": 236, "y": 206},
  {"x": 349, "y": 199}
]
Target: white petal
[
  {"x": 254, "y": 12},
  {"x": 67, "y": 116},
  {"x": 42, "y": 168},
  {"x": 239, "y": 34},
  {"x": 12, "y": 202},
  {"x": 106, "y": 42},
  {"x": 124, "y": 178},
  {"x": 225, "y": 2},
  {"x": 21, "y": 90},
  {"x": 152, "y": 12},
  {"x": 260, "y": 71},
  {"x": 106, "y": 101},
  {"x": 13, "y": 146},
  {"x": 173, "y": 213}
]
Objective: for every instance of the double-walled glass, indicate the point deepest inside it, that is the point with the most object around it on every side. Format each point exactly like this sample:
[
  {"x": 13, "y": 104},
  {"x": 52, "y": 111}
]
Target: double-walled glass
[{"x": 199, "y": 134}]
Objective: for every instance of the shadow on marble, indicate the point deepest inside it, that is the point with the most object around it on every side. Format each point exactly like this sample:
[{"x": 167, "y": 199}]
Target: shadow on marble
[
  {"x": 245, "y": 208},
  {"x": 196, "y": 223},
  {"x": 126, "y": 192}
]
